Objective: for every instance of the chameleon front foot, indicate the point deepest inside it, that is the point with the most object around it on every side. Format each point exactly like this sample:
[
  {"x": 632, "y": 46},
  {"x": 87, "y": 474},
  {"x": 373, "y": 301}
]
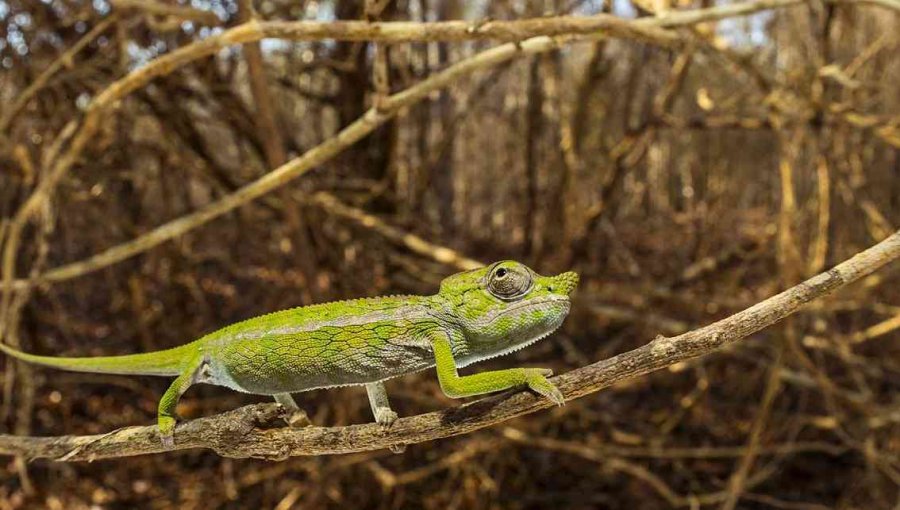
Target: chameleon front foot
[{"x": 536, "y": 379}]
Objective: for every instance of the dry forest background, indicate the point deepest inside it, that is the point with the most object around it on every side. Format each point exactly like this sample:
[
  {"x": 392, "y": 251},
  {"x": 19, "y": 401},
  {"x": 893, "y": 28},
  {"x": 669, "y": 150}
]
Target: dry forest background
[{"x": 169, "y": 167}]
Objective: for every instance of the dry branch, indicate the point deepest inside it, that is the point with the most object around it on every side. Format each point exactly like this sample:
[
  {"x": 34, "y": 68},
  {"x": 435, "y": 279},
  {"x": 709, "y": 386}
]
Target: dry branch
[{"x": 238, "y": 433}]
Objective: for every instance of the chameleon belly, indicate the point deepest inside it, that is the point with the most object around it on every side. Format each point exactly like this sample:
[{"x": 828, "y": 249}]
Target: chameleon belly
[{"x": 327, "y": 356}]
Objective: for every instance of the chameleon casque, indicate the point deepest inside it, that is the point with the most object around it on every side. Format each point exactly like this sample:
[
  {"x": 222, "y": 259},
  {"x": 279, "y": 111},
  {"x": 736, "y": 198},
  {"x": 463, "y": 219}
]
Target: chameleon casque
[{"x": 476, "y": 315}]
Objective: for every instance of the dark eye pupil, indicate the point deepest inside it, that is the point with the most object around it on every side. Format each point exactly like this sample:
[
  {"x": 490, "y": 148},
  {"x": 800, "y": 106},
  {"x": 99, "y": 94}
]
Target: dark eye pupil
[{"x": 501, "y": 272}]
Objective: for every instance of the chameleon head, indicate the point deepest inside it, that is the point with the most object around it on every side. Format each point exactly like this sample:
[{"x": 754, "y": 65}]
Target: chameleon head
[{"x": 504, "y": 307}]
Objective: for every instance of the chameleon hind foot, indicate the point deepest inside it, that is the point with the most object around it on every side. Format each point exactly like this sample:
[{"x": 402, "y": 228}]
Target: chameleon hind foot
[
  {"x": 294, "y": 416},
  {"x": 298, "y": 419},
  {"x": 168, "y": 402},
  {"x": 384, "y": 416},
  {"x": 167, "y": 431}
]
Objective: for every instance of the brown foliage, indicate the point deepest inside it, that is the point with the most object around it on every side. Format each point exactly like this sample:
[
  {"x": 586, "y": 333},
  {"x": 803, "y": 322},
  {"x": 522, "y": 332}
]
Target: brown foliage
[{"x": 685, "y": 173}]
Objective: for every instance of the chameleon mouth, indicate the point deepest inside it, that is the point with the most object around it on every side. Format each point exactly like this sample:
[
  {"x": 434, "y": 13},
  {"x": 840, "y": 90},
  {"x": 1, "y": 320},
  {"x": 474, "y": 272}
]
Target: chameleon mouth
[
  {"x": 553, "y": 299},
  {"x": 535, "y": 332},
  {"x": 549, "y": 330}
]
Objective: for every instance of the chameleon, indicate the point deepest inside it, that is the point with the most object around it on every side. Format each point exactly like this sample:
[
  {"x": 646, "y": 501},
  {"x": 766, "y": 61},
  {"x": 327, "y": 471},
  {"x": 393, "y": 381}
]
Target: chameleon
[{"x": 476, "y": 315}]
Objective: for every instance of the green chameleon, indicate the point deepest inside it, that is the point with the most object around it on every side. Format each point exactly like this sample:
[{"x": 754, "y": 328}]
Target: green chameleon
[{"x": 476, "y": 315}]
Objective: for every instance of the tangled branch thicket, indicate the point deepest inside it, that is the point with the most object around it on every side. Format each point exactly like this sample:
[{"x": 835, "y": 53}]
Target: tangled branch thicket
[{"x": 687, "y": 159}]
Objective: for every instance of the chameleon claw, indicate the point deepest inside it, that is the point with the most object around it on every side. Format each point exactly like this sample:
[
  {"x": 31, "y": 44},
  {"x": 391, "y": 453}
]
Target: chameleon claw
[
  {"x": 536, "y": 379},
  {"x": 556, "y": 396}
]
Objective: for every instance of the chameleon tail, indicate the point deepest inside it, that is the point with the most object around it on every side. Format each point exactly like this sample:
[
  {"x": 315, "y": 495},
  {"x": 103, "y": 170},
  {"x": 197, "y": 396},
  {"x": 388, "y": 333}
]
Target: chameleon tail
[{"x": 167, "y": 362}]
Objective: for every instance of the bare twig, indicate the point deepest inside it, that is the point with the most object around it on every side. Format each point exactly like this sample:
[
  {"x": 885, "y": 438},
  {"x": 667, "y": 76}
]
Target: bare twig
[
  {"x": 738, "y": 481},
  {"x": 880, "y": 329},
  {"x": 237, "y": 434},
  {"x": 599, "y": 451},
  {"x": 412, "y": 242}
]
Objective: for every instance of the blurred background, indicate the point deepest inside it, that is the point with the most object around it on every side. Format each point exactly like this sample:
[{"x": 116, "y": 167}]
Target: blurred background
[{"x": 683, "y": 183}]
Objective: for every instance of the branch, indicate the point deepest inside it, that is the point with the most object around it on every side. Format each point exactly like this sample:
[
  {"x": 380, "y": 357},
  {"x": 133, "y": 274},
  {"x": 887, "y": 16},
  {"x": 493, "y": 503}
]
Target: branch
[{"x": 241, "y": 433}]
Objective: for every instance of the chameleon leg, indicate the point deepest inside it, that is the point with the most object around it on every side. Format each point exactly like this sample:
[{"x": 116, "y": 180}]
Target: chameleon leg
[
  {"x": 296, "y": 417},
  {"x": 166, "y": 414},
  {"x": 456, "y": 386},
  {"x": 381, "y": 408}
]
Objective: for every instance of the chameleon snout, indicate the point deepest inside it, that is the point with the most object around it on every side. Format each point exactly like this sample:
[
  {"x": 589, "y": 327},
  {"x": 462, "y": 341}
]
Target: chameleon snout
[{"x": 565, "y": 283}]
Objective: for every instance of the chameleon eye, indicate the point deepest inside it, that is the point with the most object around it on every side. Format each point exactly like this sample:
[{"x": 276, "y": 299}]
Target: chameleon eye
[{"x": 509, "y": 284}]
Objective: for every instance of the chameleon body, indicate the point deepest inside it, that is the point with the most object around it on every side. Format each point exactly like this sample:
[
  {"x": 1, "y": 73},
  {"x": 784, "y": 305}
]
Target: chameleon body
[{"x": 476, "y": 315}]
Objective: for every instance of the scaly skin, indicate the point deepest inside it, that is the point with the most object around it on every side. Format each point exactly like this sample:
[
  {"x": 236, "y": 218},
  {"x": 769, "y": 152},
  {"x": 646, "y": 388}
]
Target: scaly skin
[{"x": 476, "y": 315}]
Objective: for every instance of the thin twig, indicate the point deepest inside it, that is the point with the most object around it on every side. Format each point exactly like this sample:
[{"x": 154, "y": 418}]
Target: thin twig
[
  {"x": 329, "y": 203},
  {"x": 738, "y": 481},
  {"x": 673, "y": 453}
]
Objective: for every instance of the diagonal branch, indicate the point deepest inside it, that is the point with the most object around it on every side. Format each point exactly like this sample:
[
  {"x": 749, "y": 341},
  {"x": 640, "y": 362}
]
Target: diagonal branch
[
  {"x": 238, "y": 433},
  {"x": 447, "y": 256}
]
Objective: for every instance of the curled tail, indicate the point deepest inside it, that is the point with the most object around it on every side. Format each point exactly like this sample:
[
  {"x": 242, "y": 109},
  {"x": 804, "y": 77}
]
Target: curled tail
[{"x": 167, "y": 362}]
